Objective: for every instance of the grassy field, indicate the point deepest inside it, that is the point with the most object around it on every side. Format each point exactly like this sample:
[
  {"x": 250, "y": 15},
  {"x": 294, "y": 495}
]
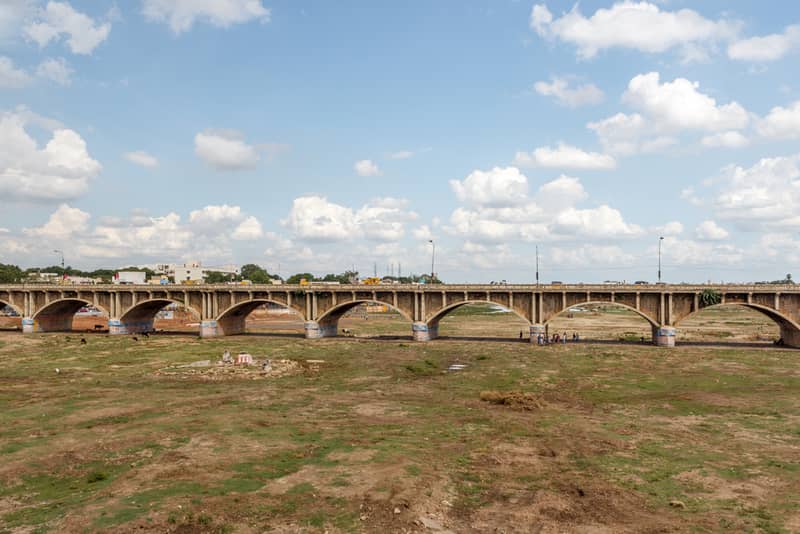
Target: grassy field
[{"x": 379, "y": 436}]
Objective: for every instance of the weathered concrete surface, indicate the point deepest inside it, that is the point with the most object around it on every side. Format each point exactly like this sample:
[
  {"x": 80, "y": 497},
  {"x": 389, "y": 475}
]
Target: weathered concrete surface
[{"x": 222, "y": 309}]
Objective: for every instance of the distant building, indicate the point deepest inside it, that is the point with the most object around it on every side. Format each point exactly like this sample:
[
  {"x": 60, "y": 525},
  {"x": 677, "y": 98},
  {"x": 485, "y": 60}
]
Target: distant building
[
  {"x": 130, "y": 277},
  {"x": 82, "y": 280},
  {"x": 193, "y": 271}
]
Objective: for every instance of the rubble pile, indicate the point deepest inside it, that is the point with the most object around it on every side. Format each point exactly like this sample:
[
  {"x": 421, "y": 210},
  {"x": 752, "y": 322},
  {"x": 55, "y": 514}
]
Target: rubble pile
[{"x": 243, "y": 366}]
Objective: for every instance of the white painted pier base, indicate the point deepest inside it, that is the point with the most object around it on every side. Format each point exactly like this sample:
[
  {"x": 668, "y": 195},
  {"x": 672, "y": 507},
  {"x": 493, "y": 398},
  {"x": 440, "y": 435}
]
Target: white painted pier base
[
  {"x": 315, "y": 330},
  {"x": 535, "y": 331},
  {"x": 422, "y": 331},
  {"x": 664, "y": 336}
]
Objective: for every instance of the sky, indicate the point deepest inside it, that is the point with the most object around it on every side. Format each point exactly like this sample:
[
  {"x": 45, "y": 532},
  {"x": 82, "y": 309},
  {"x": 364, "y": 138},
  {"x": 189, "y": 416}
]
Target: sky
[{"x": 317, "y": 136}]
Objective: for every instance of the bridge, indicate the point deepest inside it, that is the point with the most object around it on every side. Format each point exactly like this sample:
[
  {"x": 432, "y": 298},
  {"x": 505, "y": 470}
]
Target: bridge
[{"x": 221, "y": 310}]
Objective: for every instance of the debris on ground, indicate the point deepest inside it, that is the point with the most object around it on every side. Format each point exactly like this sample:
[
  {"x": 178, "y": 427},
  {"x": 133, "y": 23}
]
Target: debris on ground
[
  {"x": 205, "y": 370},
  {"x": 514, "y": 399},
  {"x": 244, "y": 358},
  {"x": 457, "y": 367}
]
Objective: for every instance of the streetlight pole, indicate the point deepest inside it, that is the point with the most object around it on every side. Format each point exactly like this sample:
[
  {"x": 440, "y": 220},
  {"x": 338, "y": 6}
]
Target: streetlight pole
[
  {"x": 660, "y": 239},
  {"x": 63, "y": 272},
  {"x": 433, "y": 259},
  {"x": 537, "y": 265}
]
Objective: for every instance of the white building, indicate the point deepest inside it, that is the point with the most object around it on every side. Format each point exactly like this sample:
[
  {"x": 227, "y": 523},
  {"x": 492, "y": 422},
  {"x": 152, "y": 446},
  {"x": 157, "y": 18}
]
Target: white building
[
  {"x": 130, "y": 277},
  {"x": 192, "y": 271}
]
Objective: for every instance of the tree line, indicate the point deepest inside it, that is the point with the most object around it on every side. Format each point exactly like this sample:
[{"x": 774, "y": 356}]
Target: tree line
[{"x": 13, "y": 274}]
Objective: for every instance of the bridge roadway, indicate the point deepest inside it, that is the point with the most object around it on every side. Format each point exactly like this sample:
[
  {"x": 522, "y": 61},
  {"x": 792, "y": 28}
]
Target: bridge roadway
[{"x": 221, "y": 309}]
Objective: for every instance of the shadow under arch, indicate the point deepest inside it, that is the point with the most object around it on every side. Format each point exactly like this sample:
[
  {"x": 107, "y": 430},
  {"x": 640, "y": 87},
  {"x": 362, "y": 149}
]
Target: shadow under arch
[
  {"x": 590, "y": 333},
  {"x": 789, "y": 329},
  {"x": 141, "y": 317},
  {"x": 327, "y": 324},
  {"x": 233, "y": 319},
  {"x": 17, "y": 320},
  {"x": 650, "y": 320},
  {"x": 433, "y": 323},
  {"x": 58, "y": 315}
]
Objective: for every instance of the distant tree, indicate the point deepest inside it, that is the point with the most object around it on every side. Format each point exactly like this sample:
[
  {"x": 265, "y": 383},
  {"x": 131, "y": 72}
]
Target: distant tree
[
  {"x": 215, "y": 277},
  {"x": 10, "y": 274},
  {"x": 710, "y": 297},
  {"x": 256, "y": 274},
  {"x": 347, "y": 277},
  {"x": 295, "y": 278}
]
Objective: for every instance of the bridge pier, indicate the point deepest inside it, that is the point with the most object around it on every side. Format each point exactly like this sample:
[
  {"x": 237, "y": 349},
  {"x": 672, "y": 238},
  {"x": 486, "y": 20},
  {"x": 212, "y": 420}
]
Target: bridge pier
[
  {"x": 664, "y": 336},
  {"x": 790, "y": 336},
  {"x": 422, "y": 331},
  {"x": 315, "y": 330},
  {"x": 535, "y": 331},
  {"x": 117, "y": 327},
  {"x": 28, "y": 325}
]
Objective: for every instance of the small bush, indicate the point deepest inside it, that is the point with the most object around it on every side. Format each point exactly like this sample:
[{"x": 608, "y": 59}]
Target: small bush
[{"x": 96, "y": 476}]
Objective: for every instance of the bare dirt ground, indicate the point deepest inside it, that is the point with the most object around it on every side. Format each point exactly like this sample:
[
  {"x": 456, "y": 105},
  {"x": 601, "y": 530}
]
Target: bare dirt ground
[{"x": 464, "y": 434}]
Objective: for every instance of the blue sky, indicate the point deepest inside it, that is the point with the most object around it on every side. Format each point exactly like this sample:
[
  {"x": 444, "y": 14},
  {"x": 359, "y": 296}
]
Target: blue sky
[{"x": 320, "y": 135}]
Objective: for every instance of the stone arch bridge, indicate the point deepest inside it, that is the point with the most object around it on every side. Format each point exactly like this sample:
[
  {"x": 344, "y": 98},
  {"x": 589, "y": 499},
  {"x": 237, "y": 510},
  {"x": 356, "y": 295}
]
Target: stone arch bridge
[{"x": 222, "y": 309}]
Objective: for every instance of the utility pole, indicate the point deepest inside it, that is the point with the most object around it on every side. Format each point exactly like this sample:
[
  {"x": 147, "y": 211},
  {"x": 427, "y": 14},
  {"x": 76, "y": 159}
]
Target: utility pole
[
  {"x": 375, "y": 269},
  {"x": 433, "y": 259},
  {"x": 660, "y": 239},
  {"x": 63, "y": 271},
  {"x": 537, "y": 265}
]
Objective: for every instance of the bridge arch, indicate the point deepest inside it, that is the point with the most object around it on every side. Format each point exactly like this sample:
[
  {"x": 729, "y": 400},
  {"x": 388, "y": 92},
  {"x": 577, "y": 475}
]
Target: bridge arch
[
  {"x": 141, "y": 316},
  {"x": 433, "y": 322},
  {"x": 644, "y": 316},
  {"x": 790, "y": 329},
  {"x": 333, "y": 315},
  {"x": 232, "y": 319},
  {"x": 58, "y": 315},
  {"x": 17, "y": 309}
]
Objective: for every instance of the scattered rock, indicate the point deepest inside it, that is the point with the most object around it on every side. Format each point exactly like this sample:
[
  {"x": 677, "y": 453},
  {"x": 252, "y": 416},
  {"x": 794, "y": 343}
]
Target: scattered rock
[{"x": 678, "y": 504}]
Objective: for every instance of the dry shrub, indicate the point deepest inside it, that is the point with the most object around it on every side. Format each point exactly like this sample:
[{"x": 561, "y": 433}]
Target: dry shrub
[{"x": 514, "y": 399}]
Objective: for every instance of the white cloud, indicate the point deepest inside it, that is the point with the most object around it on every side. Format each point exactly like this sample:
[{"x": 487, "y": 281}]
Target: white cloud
[
  {"x": 565, "y": 157},
  {"x": 12, "y": 14},
  {"x": 672, "y": 228},
  {"x": 582, "y": 95},
  {"x": 182, "y": 14},
  {"x": 213, "y": 215},
  {"x": 764, "y": 196},
  {"x": 679, "y": 252},
  {"x": 59, "y": 171},
  {"x": 666, "y": 113},
  {"x": 497, "y": 187},
  {"x": 225, "y": 150},
  {"x": 729, "y": 139},
  {"x": 63, "y": 223},
  {"x": 59, "y": 19},
  {"x": 141, "y": 236},
  {"x": 623, "y": 135},
  {"x": 551, "y": 214},
  {"x": 248, "y": 229},
  {"x": 314, "y": 218},
  {"x": 423, "y": 233},
  {"x": 366, "y": 167},
  {"x": 589, "y": 256},
  {"x": 710, "y": 231},
  {"x": 599, "y": 222},
  {"x": 635, "y": 25},
  {"x": 781, "y": 123},
  {"x": 688, "y": 194},
  {"x": 767, "y": 48},
  {"x": 10, "y": 76},
  {"x": 679, "y": 105},
  {"x": 56, "y": 70},
  {"x": 142, "y": 158},
  {"x": 402, "y": 154}
]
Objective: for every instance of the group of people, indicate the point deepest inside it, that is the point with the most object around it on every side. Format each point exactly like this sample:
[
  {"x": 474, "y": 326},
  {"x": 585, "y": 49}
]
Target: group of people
[{"x": 542, "y": 339}]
